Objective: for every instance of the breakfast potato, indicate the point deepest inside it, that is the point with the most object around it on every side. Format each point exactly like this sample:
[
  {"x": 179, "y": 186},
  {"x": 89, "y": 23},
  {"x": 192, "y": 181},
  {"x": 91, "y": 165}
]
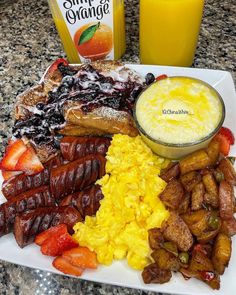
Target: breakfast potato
[
  {"x": 226, "y": 200},
  {"x": 165, "y": 260},
  {"x": 173, "y": 194},
  {"x": 155, "y": 238},
  {"x": 170, "y": 172},
  {"x": 184, "y": 206},
  {"x": 221, "y": 252},
  {"x": 195, "y": 161},
  {"x": 176, "y": 230},
  {"x": 211, "y": 196},
  {"x": 228, "y": 227},
  {"x": 152, "y": 274},
  {"x": 228, "y": 170},
  {"x": 197, "y": 196},
  {"x": 213, "y": 151},
  {"x": 190, "y": 179},
  {"x": 200, "y": 262}
]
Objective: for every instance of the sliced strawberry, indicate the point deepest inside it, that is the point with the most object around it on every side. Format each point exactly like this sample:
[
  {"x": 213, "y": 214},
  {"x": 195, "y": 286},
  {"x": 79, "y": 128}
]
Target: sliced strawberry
[
  {"x": 81, "y": 257},
  {"x": 161, "y": 77},
  {"x": 55, "y": 64},
  {"x": 58, "y": 230},
  {"x": 57, "y": 244},
  {"x": 224, "y": 144},
  {"x": 226, "y": 132},
  {"x": 29, "y": 162},
  {"x": 64, "y": 266},
  {"x": 13, "y": 152},
  {"x": 8, "y": 174}
]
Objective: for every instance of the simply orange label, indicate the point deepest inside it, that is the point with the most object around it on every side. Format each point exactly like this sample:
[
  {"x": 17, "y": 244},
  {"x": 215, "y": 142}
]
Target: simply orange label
[{"x": 90, "y": 23}]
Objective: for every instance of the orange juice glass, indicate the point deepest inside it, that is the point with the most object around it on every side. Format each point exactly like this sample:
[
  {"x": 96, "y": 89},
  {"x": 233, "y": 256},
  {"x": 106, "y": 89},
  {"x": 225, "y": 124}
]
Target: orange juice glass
[
  {"x": 90, "y": 29},
  {"x": 169, "y": 31}
]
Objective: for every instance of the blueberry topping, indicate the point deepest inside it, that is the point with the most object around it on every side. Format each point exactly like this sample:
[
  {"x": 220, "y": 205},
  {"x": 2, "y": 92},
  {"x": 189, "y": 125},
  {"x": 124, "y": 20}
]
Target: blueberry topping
[
  {"x": 40, "y": 105},
  {"x": 150, "y": 78}
]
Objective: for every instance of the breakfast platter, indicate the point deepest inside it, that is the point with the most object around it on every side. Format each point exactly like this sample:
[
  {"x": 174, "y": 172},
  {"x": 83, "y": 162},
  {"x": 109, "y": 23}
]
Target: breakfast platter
[{"x": 126, "y": 146}]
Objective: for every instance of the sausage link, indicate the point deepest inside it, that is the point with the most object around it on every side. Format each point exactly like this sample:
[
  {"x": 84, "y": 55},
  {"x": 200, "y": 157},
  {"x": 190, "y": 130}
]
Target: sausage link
[
  {"x": 76, "y": 175},
  {"x": 73, "y": 148},
  {"x": 27, "y": 225},
  {"x": 39, "y": 197},
  {"x": 22, "y": 183},
  {"x": 87, "y": 202}
]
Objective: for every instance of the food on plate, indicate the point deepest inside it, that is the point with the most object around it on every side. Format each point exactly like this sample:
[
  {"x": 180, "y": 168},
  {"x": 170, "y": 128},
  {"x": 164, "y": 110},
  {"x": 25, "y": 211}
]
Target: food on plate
[
  {"x": 94, "y": 98},
  {"x": 73, "y": 147},
  {"x": 196, "y": 238},
  {"x": 29, "y": 224},
  {"x": 178, "y": 115},
  {"x": 35, "y": 198},
  {"x": 76, "y": 175},
  {"x": 130, "y": 205},
  {"x": 101, "y": 197},
  {"x": 87, "y": 201}
]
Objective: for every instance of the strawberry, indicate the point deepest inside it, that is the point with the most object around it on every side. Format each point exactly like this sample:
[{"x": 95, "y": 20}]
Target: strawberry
[
  {"x": 158, "y": 78},
  {"x": 57, "y": 244},
  {"x": 53, "y": 67},
  {"x": 57, "y": 230},
  {"x": 81, "y": 257},
  {"x": 226, "y": 132},
  {"x": 13, "y": 152},
  {"x": 224, "y": 143},
  {"x": 29, "y": 162},
  {"x": 8, "y": 174},
  {"x": 64, "y": 266}
]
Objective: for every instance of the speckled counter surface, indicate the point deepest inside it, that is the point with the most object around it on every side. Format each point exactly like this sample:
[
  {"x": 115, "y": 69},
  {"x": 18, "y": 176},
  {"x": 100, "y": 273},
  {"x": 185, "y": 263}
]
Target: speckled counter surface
[{"x": 28, "y": 43}]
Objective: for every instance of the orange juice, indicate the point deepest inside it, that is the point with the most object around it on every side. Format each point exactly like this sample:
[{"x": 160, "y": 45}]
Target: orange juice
[
  {"x": 90, "y": 29},
  {"x": 169, "y": 31}
]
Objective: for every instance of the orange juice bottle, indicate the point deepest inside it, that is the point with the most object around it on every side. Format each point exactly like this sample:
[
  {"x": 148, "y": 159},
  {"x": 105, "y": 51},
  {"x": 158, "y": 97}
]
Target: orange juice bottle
[
  {"x": 90, "y": 29},
  {"x": 169, "y": 31}
]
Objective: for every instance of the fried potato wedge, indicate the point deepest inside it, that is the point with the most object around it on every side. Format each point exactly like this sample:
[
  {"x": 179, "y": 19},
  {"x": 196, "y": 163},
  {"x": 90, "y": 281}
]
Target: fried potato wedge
[
  {"x": 221, "y": 252},
  {"x": 173, "y": 194},
  {"x": 195, "y": 161},
  {"x": 165, "y": 259},
  {"x": 190, "y": 179}
]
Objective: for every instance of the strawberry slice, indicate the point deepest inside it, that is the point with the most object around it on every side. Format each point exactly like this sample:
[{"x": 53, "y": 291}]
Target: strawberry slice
[
  {"x": 226, "y": 132},
  {"x": 8, "y": 174},
  {"x": 57, "y": 244},
  {"x": 64, "y": 266},
  {"x": 81, "y": 257},
  {"x": 57, "y": 230},
  {"x": 161, "y": 77},
  {"x": 13, "y": 152},
  {"x": 29, "y": 162},
  {"x": 224, "y": 144},
  {"x": 56, "y": 63}
]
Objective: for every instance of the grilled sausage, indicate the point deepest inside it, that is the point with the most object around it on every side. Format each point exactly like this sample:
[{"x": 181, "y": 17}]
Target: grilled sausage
[
  {"x": 226, "y": 200},
  {"x": 73, "y": 148},
  {"x": 76, "y": 175},
  {"x": 87, "y": 202},
  {"x": 176, "y": 230},
  {"x": 39, "y": 197},
  {"x": 27, "y": 225},
  {"x": 22, "y": 183}
]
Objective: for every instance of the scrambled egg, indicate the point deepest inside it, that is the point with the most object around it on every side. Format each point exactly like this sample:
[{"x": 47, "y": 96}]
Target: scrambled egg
[{"x": 130, "y": 206}]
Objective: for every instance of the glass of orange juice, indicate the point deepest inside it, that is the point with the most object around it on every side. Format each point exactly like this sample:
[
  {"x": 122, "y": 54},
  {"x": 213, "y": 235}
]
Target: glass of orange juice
[{"x": 169, "y": 31}]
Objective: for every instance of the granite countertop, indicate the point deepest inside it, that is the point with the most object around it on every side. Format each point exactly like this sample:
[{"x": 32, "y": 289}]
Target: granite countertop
[{"x": 28, "y": 44}]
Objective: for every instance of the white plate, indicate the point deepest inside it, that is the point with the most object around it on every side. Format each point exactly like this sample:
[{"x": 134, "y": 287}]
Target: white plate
[{"x": 119, "y": 273}]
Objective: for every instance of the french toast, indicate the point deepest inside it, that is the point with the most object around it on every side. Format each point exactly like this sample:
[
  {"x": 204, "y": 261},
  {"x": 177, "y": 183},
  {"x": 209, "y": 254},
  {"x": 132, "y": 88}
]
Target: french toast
[{"x": 88, "y": 99}]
